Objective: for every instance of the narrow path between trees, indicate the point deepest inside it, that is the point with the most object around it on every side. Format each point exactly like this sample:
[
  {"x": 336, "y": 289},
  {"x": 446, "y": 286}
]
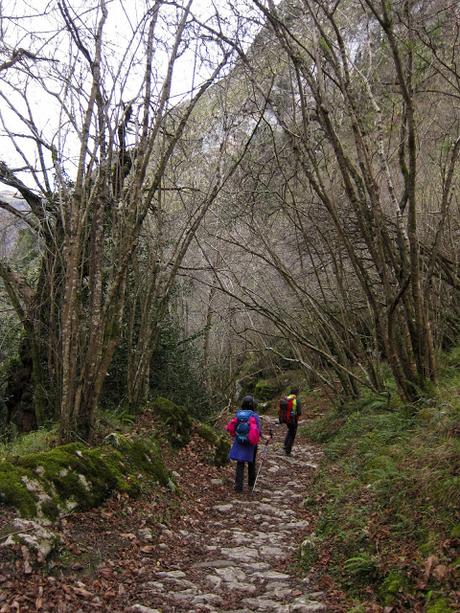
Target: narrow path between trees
[
  {"x": 240, "y": 557},
  {"x": 206, "y": 550}
]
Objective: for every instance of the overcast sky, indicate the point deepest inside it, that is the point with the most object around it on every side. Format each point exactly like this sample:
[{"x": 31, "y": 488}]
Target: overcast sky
[{"x": 37, "y": 26}]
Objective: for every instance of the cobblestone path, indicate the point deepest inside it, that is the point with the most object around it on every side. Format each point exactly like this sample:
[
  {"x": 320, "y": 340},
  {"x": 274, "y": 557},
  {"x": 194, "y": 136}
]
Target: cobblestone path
[{"x": 241, "y": 558}]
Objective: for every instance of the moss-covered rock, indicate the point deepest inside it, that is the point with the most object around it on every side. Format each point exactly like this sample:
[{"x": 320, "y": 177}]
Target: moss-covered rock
[
  {"x": 222, "y": 449},
  {"x": 267, "y": 389},
  {"x": 177, "y": 422},
  {"x": 219, "y": 442},
  {"x": 34, "y": 536},
  {"x": 13, "y": 490},
  {"x": 73, "y": 476},
  {"x": 309, "y": 551}
]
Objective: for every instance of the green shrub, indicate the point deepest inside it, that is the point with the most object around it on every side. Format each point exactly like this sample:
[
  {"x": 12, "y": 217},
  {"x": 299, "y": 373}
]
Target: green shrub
[
  {"x": 38, "y": 440},
  {"x": 394, "y": 584},
  {"x": 362, "y": 567},
  {"x": 267, "y": 389},
  {"x": 177, "y": 371}
]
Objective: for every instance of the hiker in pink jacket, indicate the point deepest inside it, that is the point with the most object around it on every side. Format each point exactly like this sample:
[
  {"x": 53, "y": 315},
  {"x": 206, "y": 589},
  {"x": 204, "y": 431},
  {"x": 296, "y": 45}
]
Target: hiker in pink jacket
[{"x": 246, "y": 432}]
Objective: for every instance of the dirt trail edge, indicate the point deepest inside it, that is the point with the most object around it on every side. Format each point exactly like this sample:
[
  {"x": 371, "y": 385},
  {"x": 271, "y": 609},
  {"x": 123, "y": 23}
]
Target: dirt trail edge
[{"x": 241, "y": 557}]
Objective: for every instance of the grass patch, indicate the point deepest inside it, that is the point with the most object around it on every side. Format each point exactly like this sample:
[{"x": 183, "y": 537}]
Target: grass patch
[
  {"x": 387, "y": 495},
  {"x": 39, "y": 440}
]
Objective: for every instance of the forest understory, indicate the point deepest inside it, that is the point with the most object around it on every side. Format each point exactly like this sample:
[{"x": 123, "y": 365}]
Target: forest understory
[
  {"x": 108, "y": 555},
  {"x": 343, "y": 554}
]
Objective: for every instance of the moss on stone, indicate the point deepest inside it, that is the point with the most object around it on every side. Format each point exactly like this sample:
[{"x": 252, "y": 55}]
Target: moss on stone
[
  {"x": 77, "y": 477},
  {"x": 267, "y": 389},
  {"x": 177, "y": 422},
  {"x": 146, "y": 455},
  {"x": 222, "y": 449},
  {"x": 206, "y": 432},
  {"x": 14, "y": 492},
  {"x": 219, "y": 442},
  {"x": 50, "y": 509}
]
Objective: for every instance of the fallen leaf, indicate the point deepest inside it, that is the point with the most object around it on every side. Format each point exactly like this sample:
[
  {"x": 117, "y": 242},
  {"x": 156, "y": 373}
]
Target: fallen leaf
[
  {"x": 82, "y": 592},
  {"x": 148, "y": 549},
  {"x": 440, "y": 572},
  {"x": 430, "y": 561},
  {"x": 26, "y": 557}
]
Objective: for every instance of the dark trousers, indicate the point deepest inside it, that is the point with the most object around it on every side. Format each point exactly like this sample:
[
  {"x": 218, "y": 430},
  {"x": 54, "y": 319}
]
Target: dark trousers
[
  {"x": 290, "y": 436},
  {"x": 239, "y": 475}
]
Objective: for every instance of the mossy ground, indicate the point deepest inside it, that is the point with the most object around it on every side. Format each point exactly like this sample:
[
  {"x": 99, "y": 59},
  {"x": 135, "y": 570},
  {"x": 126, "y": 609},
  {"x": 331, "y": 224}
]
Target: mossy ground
[{"x": 387, "y": 496}]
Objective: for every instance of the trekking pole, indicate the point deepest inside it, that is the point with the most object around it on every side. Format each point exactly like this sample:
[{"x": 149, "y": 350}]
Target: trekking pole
[{"x": 263, "y": 458}]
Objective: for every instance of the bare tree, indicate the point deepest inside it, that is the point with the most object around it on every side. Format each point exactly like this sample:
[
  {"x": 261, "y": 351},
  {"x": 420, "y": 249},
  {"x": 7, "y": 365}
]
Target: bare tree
[
  {"x": 336, "y": 120},
  {"x": 115, "y": 103}
]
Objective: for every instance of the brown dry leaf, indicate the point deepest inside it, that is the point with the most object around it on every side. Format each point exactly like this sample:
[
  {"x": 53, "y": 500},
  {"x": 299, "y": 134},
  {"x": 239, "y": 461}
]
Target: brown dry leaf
[
  {"x": 297, "y": 593},
  {"x": 40, "y": 557},
  {"x": 26, "y": 557},
  {"x": 82, "y": 592},
  {"x": 430, "y": 562},
  {"x": 440, "y": 572},
  {"x": 148, "y": 549},
  {"x": 128, "y": 535},
  {"x": 62, "y": 607},
  {"x": 39, "y": 599}
]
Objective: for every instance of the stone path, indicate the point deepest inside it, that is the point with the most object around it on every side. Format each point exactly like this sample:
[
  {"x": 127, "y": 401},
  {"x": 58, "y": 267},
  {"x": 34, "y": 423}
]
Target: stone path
[{"x": 245, "y": 550}]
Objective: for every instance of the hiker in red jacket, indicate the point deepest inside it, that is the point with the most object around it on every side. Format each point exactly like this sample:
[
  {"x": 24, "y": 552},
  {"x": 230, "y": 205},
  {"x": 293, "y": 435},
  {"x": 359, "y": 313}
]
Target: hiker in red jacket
[{"x": 293, "y": 419}]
